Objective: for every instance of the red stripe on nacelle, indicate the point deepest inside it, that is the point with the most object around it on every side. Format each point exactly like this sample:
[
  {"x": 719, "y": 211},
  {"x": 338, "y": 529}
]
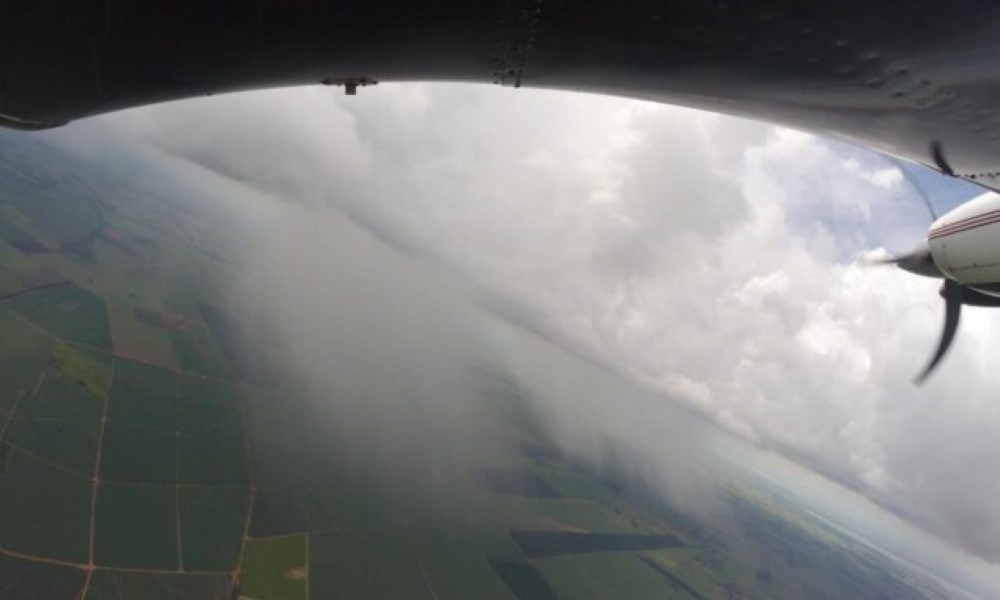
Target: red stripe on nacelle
[
  {"x": 967, "y": 225},
  {"x": 962, "y": 223}
]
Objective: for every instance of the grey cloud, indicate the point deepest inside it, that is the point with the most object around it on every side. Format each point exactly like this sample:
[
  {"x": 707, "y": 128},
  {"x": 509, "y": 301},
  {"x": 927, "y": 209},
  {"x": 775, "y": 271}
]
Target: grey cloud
[{"x": 707, "y": 258}]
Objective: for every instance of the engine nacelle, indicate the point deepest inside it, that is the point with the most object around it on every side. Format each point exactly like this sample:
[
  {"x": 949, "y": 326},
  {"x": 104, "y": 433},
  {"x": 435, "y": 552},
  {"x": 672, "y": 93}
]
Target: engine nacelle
[{"x": 965, "y": 243}]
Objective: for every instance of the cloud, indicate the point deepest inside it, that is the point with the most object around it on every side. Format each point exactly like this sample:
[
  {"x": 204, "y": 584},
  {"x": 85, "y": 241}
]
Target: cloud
[{"x": 708, "y": 258}]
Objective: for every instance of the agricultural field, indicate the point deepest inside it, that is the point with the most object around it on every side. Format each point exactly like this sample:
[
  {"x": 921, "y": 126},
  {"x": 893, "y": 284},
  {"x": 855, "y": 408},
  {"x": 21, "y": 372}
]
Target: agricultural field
[
  {"x": 149, "y": 447},
  {"x": 46, "y": 508},
  {"x": 66, "y": 311},
  {"x": 135, "y": 526},
  {"x": 276, "y": 567}
]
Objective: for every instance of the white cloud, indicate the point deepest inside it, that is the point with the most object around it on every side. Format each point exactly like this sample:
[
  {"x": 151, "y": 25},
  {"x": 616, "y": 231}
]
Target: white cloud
[{"x": 709, "y": 258}]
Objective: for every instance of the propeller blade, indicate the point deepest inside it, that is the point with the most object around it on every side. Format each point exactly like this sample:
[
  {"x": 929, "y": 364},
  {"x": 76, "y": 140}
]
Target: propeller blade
[
  {"x": 918, "y": 262},
  {"x": 952, "y": 294},
  {"x": 937, "y": 153}
]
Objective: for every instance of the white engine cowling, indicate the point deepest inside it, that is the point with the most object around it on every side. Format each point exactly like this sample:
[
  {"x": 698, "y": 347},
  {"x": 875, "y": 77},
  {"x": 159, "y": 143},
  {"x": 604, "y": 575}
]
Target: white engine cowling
[{"x": 965, "y": 243}]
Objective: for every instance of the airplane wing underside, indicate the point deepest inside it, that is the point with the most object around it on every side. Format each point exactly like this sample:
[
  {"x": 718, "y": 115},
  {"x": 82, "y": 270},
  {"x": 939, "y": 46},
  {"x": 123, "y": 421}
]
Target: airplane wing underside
[{"x": 900, "y": 77}]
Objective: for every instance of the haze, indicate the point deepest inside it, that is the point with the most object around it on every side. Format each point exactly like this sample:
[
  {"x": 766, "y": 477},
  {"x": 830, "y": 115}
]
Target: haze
[{"x": 656, "y": 279}]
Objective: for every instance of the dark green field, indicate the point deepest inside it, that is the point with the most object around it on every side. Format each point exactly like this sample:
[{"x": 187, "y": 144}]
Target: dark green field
[
  {"x": 71, "y": 443},
  {"x": 24, "y": 353},
  {"x": 116, "y": 585},
  {"x": 46, "y": 508},
  {"x": 144, "y": 395},
  {"x": 208, "y": 407},
  {"x": 198, "y": 352},
  {"x": 33, "y": 579},
  {"x": 366, "y": 564},
  {"x": 523, "y": 580},
  {"x": 136, "y": 526},
  {"x": 61, "y": 397},
  {"x": 68, "y": 311},
  {"x": 282, "y": 508},
  {"x": 138, "y": 454},
  {"x": 218, "y": 460},
  {"x": 212, "y": 527},
  {"x": 611, "y": 576}
]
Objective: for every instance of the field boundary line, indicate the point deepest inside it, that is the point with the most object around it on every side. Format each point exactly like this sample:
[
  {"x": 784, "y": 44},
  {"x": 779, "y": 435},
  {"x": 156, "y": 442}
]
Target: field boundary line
[
  {"x": 84, "y": 566},
  {"x": 248, "y": 450},
  {"x": 177, "y": 481},
  {"x": 17, "y": 403},
  {"x": 95, "y": 479},
  {"x": 47, "y": 461},
  {"x": 42, "y": 559}
]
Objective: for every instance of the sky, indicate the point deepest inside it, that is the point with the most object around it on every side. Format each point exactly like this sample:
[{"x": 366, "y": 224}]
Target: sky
[{"x": 713, "y": 261}]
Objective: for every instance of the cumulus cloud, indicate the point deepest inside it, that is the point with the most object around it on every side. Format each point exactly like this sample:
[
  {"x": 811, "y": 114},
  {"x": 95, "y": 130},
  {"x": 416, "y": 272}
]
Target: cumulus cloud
[{"x": 712, "y": 260}]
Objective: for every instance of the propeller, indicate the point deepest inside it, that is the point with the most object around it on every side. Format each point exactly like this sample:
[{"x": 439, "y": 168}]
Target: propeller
[
  {"x": 937, "y": 153},
  {"x": 921, "y": 262},
  {"x": 918, "y": 262},
  {"x": 953, "y": 297}
]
